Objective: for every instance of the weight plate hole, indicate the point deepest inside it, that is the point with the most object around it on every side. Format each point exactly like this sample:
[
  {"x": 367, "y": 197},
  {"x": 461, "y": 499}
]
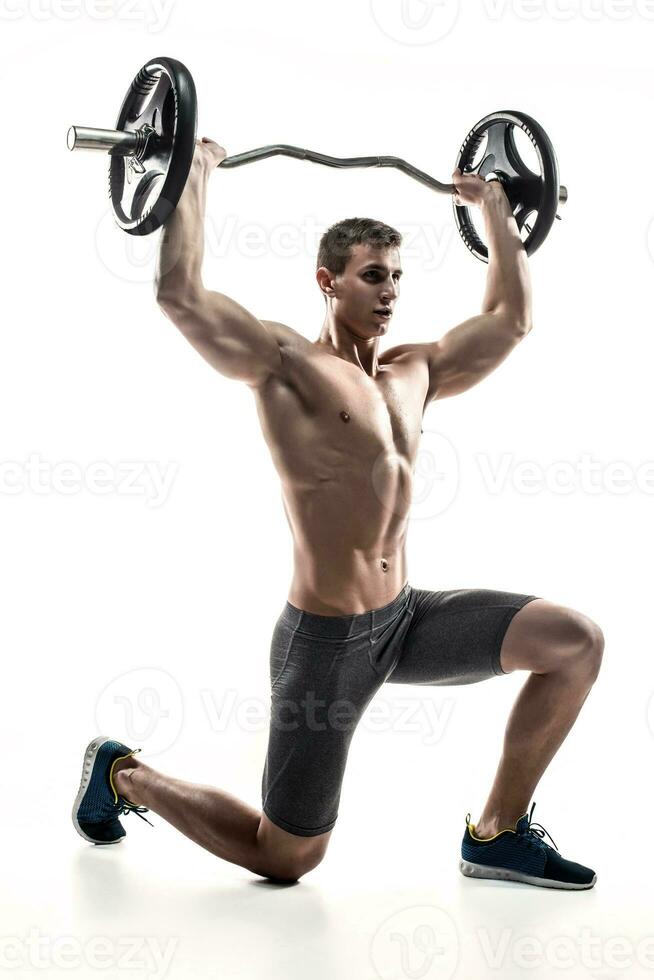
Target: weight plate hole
[{"x": 526, "y": 150}]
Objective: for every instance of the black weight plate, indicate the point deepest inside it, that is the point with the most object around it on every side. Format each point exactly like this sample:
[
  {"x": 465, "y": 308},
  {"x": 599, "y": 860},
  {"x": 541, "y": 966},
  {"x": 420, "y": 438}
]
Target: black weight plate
[
  {"x": 528, "y": 192},
  {"x": 162, "y": 96}
]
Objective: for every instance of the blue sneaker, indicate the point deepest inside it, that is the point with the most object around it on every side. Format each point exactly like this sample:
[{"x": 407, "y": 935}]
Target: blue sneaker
[
  {"x": 521, "y": 855},
  {"x": 97, "y": 804}
]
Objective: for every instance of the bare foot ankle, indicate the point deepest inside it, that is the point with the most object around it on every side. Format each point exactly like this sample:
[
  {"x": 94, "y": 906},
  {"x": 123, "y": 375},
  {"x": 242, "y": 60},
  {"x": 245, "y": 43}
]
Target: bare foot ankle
[
  {"x": 122, "y": 776},
  {"x": 484, "y": 831},
  {"x": 124, "y": 785},
  {"x": 129, "y": 762},
  {"x": 491, "y": 828}
]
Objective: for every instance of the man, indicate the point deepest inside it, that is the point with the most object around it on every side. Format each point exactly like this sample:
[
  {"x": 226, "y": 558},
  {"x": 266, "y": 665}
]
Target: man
[{"x": 343, "y": 422}]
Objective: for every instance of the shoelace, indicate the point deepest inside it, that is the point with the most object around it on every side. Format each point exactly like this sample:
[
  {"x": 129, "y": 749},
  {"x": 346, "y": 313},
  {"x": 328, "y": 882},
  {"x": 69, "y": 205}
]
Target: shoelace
[
  {"x": 538, "y": 830},
  {"x": 126, "y": 808},
  {"x": 124, "y": 805}
]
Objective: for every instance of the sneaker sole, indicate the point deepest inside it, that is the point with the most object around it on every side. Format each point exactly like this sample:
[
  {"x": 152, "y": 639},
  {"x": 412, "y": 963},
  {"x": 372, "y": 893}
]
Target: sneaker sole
[
  {"x": 90, "y": 754},
  {"x": 471, "y": 870}
]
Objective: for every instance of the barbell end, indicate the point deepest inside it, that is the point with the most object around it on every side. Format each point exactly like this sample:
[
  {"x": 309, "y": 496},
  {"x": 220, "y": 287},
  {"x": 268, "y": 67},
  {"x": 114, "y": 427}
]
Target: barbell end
[
  {"x": 563, "y": 194},
  {"x": 113, "y": 141}
]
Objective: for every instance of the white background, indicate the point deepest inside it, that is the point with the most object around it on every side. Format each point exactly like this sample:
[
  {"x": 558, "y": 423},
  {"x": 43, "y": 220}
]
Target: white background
[{"x": 147, "y": 616}]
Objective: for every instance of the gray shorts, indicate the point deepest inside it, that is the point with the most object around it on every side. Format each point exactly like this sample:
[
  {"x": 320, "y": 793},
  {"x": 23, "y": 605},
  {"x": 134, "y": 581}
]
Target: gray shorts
[{"x": 325, "y": 670}]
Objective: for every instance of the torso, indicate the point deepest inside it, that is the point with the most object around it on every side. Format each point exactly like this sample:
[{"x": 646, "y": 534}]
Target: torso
[{"x": 344, "y": 445}]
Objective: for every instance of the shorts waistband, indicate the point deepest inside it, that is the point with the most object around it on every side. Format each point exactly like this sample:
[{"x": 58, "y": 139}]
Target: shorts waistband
[{"x": 344, "y": 626}]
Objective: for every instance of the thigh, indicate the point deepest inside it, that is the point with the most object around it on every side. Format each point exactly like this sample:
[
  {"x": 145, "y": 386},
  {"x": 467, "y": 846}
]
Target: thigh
[
  {"x": 456, "y": 636},
  {"x": 320, "y": 688},
  {"x": 545, "y": 636}
]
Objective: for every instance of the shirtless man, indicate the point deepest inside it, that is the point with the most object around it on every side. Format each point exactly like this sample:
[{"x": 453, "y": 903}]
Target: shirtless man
[{"x": 343, "y": 422}]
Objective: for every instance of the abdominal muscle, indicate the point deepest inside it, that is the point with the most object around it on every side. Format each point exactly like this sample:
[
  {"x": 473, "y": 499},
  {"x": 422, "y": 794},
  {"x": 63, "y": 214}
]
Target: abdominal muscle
[{"x": 349, "y": 537}]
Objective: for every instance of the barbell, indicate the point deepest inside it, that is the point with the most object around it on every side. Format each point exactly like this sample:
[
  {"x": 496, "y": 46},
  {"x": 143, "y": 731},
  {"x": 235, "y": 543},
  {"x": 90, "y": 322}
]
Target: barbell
[{"x": 152, "y": 146}]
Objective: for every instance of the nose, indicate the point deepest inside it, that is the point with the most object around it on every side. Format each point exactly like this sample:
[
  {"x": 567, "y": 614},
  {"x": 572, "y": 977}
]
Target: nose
[{"x": 391, "y": 291}]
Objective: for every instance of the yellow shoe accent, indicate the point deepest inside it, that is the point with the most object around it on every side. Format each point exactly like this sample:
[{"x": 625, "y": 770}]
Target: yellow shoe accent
[
  {"x": 111, "y": 774},
  {"x": 471, "y": 830}
]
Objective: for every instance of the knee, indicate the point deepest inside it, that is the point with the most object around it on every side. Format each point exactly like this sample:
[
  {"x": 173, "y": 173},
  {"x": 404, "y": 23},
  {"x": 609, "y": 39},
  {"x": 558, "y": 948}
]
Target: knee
[
  {"x": 591, "y": 649},
  {"x": 583, "y": 645},
  {"x": 291, "y": 867}
]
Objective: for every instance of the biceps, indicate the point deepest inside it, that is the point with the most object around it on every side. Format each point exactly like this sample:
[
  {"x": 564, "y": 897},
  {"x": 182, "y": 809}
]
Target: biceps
[{"x": 470, "y": 352}]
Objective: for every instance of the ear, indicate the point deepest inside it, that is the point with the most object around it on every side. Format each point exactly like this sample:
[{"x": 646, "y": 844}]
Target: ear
[{"x": 325, "y": 280}]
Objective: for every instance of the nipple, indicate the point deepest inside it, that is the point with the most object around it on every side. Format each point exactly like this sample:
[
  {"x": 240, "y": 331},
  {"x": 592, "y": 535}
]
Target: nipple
[{"x": 345, "y": 416}]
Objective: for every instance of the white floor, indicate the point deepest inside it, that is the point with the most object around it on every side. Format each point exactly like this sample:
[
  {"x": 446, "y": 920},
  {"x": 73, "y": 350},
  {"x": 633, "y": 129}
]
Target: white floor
[
  {"x": 388, "y": 901},
  {"x": 167, "y": 910}
]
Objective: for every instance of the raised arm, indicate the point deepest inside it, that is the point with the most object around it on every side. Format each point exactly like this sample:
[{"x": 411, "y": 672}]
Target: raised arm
[
  {"x": 230, "y": 338},
  {"x": 474, "y": 348}
]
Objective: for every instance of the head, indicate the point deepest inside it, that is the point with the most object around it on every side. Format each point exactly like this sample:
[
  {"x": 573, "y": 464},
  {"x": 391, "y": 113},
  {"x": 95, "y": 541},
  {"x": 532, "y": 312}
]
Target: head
[{"x": 359, "y": 274}]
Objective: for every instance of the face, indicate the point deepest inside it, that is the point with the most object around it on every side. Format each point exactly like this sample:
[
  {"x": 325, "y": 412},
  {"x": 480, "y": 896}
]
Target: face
[{"x": 365, "y": 294}]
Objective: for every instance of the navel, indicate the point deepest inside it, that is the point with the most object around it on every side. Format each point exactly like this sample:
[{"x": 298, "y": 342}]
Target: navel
[
  {"x": 345, "y": 416},
  {"x": 384, "y": 565}
]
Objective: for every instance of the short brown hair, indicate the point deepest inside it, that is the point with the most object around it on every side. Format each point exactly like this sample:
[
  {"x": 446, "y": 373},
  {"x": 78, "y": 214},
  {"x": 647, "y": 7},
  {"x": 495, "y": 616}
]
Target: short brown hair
[{"x": 335, "y": 247}]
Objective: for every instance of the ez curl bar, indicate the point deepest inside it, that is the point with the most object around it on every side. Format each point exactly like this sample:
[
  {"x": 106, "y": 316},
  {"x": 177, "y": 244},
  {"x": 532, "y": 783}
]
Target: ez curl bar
[{"x": 152, "y": 146}]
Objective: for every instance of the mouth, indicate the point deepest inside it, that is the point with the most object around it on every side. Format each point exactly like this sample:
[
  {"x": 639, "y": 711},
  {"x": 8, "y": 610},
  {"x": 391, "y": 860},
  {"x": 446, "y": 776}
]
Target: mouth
[{"x": 383, "y": 312}]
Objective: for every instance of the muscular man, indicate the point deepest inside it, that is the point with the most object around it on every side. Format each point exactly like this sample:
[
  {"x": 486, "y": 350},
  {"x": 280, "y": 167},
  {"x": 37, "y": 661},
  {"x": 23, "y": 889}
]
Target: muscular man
[{"x": 343, "y": 421}]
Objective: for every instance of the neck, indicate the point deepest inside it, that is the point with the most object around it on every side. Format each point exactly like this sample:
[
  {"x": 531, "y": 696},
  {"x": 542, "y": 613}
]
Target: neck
[{"x": 360, "y": 351}]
